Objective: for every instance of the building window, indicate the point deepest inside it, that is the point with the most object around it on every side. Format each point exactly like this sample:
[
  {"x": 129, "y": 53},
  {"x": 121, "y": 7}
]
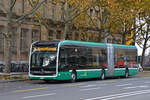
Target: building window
[
  {"x": 62, "y": 14},
  {"x": 50, "y": 35},
  {"x": 24, "y": 40},
  {"x": 91, "y": 12},
  {"x": 53, "y": 12},
  {"x": 23, "y": 6},
  {"x": 35, "y": 35},
  {"x": 76, "y": 36},
  {"x": 58, "y": 35},
  {"x": 1, "y": 42},
  {"x": 1, "y": 39},
  {"x": 44, "y": 10}
]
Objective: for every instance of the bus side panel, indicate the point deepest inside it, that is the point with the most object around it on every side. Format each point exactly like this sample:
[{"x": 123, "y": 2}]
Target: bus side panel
[
  {"x": 82, "y": 74},
  {"x": 34, "y": 78},
  {"x": 64, "y": 76},
  {"x": 41, "y": 78},
  {"x": 119, "y": 71},
  {"x": 60, "y": 76},
  {"x": 133, "y": 71}
]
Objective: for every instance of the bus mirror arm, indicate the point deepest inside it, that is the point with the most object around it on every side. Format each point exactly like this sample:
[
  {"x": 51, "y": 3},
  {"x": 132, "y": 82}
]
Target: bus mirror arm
[{"x": 33, "y": 52}]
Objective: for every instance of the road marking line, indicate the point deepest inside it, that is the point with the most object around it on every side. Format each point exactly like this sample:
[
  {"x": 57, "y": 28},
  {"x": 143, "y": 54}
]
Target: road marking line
[
  {"x": 120, "y": 95},
  {"x": 142, "y": 86},
  {"x": 89, "y": 89},
  {"x": 147, "y": 82},
  {"x": 72, "y": 85},
  {"x": 88, "y": 86},
  {"x": 25, "y": 90},
  {"x": 124, "y": 85},
  {"x": 109, "y": 81},
  {"x": 38, "y": 95},
  {"x": 131, "y": 79},
  {"x": 94, "y": 85},
  {"x": 125, "y": 95}
]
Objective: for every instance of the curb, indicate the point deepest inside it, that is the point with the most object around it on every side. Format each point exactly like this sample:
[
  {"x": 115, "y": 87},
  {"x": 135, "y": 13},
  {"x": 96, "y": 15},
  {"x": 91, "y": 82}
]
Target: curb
[
  {"x": 13, "y": 74},
  {"x": 19, "y": 76},
  {"x": 7, "y": 81}
]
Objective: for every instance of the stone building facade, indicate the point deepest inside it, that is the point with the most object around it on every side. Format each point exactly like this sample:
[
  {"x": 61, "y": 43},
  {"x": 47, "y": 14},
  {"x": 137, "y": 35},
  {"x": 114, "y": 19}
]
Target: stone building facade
[{"x": 30, "y": 31}]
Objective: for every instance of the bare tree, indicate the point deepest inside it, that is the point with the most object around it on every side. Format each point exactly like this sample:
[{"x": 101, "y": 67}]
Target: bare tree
[
  {"x": 10, "y": 23},
  {"x": 69, "y": 13},
  {"x": 143, "y": 35}
]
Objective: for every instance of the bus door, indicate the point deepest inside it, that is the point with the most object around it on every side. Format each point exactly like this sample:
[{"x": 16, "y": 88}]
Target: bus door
[{"x": 110, "y": 60}]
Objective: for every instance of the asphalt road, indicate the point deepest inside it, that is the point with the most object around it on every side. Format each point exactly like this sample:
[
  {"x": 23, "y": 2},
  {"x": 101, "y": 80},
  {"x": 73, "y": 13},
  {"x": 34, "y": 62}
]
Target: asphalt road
[{"x": 133, "y": 88}]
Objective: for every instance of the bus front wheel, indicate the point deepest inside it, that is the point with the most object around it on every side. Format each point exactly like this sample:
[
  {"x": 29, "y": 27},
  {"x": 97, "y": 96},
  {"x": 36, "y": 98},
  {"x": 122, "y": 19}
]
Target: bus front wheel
[{"x": 73, "y": 77}]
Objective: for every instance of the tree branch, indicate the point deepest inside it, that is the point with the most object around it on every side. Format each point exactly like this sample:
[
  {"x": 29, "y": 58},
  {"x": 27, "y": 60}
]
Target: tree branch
[
  {"x": 12, "y": 4},
  {"x": 31, "y": 11},
  {"x": 4, "y": 34},
  {"x": 74, "y": 16},
  {"x": 92, "y": 20},
  {"x": 139, "y": 44}
]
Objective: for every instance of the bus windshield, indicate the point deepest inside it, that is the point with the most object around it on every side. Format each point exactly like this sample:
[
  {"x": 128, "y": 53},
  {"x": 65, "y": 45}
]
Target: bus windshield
[{"x": 43, "y": 59}]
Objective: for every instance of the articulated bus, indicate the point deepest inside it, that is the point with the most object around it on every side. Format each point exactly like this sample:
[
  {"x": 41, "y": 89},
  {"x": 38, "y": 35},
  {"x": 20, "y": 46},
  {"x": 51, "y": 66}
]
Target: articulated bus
[{"x": 73, "y": 60}]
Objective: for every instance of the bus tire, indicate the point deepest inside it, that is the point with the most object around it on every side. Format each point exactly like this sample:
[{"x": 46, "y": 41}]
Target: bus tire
[
  {"x": 73, "y": 77},
  {"x": 126, "y": 73},
  {"x": 102, "y": 77}
]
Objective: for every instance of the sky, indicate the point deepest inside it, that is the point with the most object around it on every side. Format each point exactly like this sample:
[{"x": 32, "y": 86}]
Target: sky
[{"x": 140, "y": 50}]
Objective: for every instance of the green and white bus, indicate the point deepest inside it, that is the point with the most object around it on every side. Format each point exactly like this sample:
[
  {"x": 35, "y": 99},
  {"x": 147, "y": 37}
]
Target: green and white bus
[{"x": 72, "y": 60}]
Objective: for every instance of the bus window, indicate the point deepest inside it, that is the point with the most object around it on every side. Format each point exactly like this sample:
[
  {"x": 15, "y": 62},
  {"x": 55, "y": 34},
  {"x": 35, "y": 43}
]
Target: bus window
[{"x": 125, "y": 57}]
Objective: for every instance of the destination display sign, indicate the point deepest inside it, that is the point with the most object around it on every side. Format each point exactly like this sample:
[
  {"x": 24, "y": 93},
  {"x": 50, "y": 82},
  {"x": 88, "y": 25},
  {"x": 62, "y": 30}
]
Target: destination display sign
[{"x": 44, "y": 49}]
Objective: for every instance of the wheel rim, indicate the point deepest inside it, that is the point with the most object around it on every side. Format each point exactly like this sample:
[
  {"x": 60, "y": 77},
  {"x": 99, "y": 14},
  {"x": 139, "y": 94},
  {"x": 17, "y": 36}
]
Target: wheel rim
[
  {"x": 127, "y": 74},
  {"x": 73, "y": 77},
  {"x": 103, "y": 76}
]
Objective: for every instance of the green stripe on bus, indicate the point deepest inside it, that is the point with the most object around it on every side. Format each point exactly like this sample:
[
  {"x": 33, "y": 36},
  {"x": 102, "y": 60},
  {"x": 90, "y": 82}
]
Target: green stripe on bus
[
  {"x": 60, "y": 76},
  {"x": 88, "y": 74},
  {"x": 82, "y": 74},
  {"x": 124, "y": 46},
  {"x": 41, "y": 77},
  {"x": 81, "y": 43},
  {"x": 119, "y": 72},
  {"x": 133, "y": 71},
  {"x": 64, "y": 76}
]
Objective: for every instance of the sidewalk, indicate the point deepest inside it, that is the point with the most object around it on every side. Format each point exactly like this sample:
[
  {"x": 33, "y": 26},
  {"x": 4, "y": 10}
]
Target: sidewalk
[
  {"x": 13, "y": 77},
  {"x": 144, "y": 74}
]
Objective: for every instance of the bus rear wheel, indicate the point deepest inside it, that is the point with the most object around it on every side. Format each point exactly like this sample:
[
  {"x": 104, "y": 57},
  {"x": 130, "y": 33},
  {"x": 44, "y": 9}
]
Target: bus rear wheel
[
  {"x": 126, "y": 73},
  {"x": 102, "y": 77},
  {"x": 73, "y": 77}
]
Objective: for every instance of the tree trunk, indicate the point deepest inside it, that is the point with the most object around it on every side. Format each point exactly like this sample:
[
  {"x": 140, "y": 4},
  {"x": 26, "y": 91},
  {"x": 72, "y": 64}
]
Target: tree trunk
[
  {"x": 66, "y": 30},
  {"x": 123, "y": 38},
  {"x": 8, "y": 34},
  {"x": 67, "y": 18},
  {"x": 7, "y": 54},
  {"x": 143, "y": 55},
  {"x": 144, "y": 46},
  {"x": 7, "y": 48}
]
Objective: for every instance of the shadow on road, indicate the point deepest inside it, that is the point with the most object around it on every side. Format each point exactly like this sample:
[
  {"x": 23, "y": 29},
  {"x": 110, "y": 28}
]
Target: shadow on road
[{"x": 78, "y": 81}]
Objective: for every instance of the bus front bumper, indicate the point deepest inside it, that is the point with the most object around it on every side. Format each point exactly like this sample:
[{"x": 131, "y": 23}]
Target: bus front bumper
[{"x": 59, "y": 76}]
